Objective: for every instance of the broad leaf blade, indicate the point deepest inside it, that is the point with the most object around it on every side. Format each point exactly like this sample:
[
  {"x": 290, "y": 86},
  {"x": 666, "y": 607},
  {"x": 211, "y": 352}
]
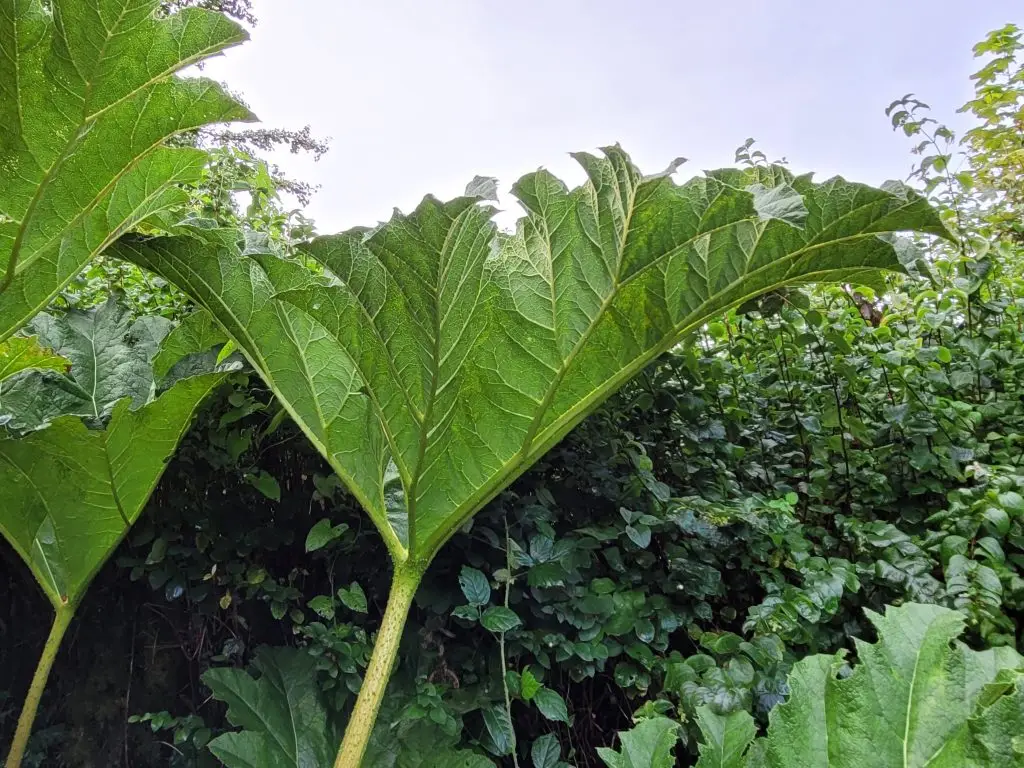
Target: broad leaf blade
[
  {"x": 725, "y": 738},
  {"x": 24, "y": 353},
  {"x": 87, "y": 97},
  {"x": 440, "y": 351},
  {"x": 109, "y": 355},
  {"x": 197, "y": 333},
  {"x": 648, "y": 744},
  {"x": 69, "y": 494},
  {"x": 909, "y": 702},
  {"x": 285, "y": 723}
]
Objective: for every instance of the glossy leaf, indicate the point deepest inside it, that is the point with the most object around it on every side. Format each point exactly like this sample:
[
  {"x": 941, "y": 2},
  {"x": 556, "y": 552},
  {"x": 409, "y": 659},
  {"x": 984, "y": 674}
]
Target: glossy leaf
[
  {"x": 475, "y": 586},
  {"x": 353, "y": 597},
  {"x": 500, "y": 729},
  {"x": 499, "y": 619},
  {"x": 88, "y": 95},
  {"x": 436, "y": 359},
  {"x": 546, "y": 752},
  {"x": 551, "y": 705},
  {"x": 68, "y": 494},
  {"x": 323, "y": 533}
]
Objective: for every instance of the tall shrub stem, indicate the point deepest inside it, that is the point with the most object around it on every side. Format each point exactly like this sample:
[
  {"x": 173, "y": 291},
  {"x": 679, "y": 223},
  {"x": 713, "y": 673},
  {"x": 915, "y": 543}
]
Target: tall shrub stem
[
  {"x": 385, "y": 650},
  {"x": 35, "y": 690}
]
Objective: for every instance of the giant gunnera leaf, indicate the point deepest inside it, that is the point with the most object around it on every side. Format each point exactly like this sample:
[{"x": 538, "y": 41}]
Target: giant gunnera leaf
[
  {"x": 70, "y": 488},
  {"x": 284, "y": 720},
  {"x": 434, "y": 358},
  {"x": 88, "y": 95},
  {"x": 917, "y": 697}
]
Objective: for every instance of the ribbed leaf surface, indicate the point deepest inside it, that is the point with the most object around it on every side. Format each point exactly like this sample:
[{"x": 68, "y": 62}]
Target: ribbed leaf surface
[
  {"x": 69, "y": 494},
  {"x": 87, "y": 97},
  {"x": 435, "y": 358}
]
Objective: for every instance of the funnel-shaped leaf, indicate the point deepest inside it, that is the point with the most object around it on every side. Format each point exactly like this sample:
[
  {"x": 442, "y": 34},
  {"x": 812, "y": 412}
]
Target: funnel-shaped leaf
[
  {"x": 87, "y": 96},
  {"x": 435, "y": 358},
  {"x": 69, "y": 494},
  {"x": 916, "y": 698}
]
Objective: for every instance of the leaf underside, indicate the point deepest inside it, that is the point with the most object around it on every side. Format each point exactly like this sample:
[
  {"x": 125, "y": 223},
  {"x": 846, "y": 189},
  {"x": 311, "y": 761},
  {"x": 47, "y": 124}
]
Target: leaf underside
[
  {"x": 88, "y": 95},
  {"x": 433, "y": 359},
  {"x": 68, "y": 494}
]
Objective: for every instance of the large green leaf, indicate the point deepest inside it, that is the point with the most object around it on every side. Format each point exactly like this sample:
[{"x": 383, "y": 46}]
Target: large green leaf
[
  {"x": 648, "y": 744},
  {"x": 725, "y": 738},
  {"x": 284, "y": 720},
  {"x": 916, "y": 698},
  {"x": 69, "y": 494},
  {"x": 109, "y": 354},
  {"x": 434, "y": 359},
  {"x": 88, "y": 94}
]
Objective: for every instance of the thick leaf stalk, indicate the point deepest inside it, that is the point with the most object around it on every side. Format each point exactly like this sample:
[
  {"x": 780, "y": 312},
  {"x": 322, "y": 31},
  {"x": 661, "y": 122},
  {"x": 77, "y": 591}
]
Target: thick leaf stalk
[
  {"x": 385, "y": 651},
  {"x": 35, "y": 691}
]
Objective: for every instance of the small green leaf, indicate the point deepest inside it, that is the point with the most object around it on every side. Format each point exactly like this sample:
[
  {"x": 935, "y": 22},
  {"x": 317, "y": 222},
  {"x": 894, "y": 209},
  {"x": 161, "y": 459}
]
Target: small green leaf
[
  {"x": 323, "y": 533},
  {"x": 639, "y": 534},
  {"x": 323, "y": 606},
  {"x": 1011, "y": 501},
  {"x": 499, "y": 619},
  {"x": 546, "y": 752},
  {"x": 354, "y": 598},
  {"x": 551, "y": 705},
  {"x": 265, "y": 483},
  {"x": 474, "y": 586},
  {"x": 157, "y": 552},
  {"x": 499, "y": 727},
  {"x": 467, "y": 612},
  {"x": 529, "y": 685}
]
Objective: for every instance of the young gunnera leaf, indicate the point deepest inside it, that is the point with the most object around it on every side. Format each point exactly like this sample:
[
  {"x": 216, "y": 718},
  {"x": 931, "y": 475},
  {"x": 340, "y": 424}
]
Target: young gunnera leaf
[
  {"x": 726, "y": 738},
  {"x": 648, "y": 744},
  {"x": 917, "y": 697},
  {"x": 284, "y": 721},
  {"x": 88, "y": 94},
  {"x": 69, "y": 494},
  {"x": 433, "y": 359}
]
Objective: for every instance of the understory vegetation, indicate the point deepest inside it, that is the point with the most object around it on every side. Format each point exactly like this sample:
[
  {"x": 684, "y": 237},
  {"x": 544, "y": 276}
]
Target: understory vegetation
[{"x": 798, "y": 497}]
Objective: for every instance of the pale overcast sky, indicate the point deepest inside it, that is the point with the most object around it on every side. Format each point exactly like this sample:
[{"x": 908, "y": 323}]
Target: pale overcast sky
[{"x": 419, "y": 97}]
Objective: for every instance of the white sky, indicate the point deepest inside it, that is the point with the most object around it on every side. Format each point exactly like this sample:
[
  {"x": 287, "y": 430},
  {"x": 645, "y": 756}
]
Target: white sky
[{"x": 419, "y": 97}]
